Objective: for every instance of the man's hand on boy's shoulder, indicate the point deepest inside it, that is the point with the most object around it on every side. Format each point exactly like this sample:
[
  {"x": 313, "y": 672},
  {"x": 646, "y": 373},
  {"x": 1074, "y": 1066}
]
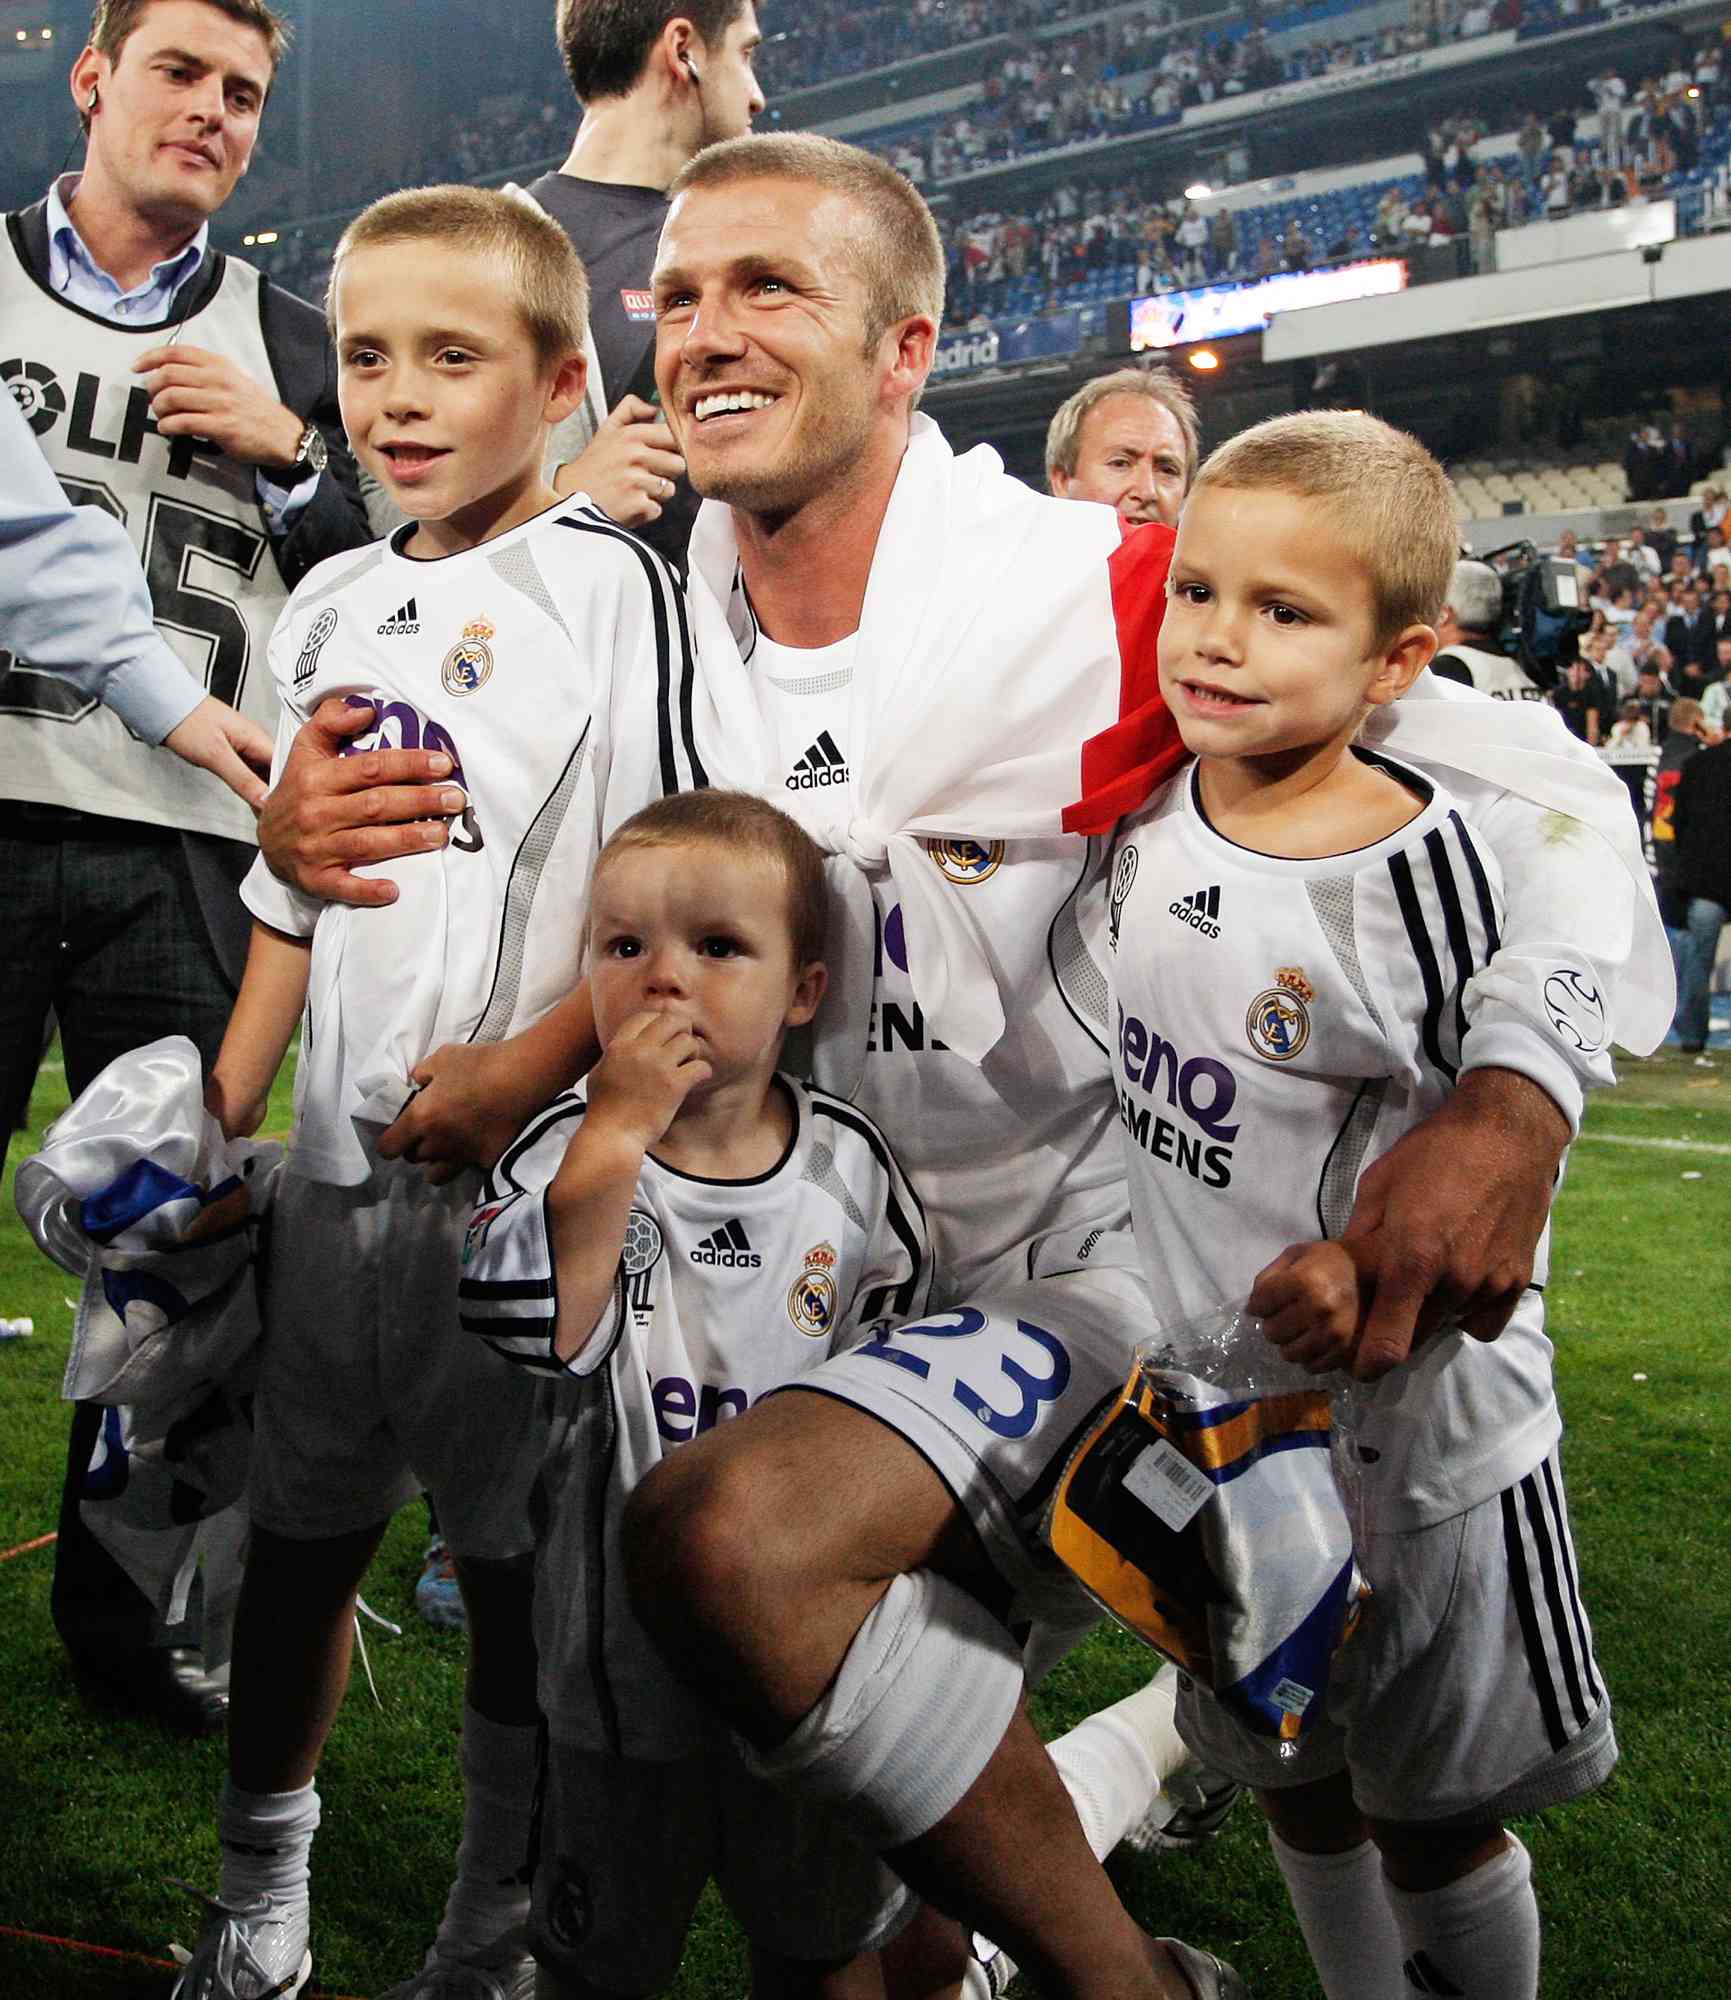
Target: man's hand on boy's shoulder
[
  {"x": 1446, "y": 1223},
  {"x": 328, "y": 813}
]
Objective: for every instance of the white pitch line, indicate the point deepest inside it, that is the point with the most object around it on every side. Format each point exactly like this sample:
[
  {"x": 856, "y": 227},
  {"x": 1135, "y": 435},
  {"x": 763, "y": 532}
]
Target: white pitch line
[{"x": 1653, "y": 1145}]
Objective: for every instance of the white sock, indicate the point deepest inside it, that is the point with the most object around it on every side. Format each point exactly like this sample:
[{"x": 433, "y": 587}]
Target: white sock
[
  {"x": 491, "y": 1892},
  {"x": 1479, "y": 1937},
  {"x": 1342, "y": 1905},
  {"x": 267, "y": 1843},
  {"x": 1114, "y": 1762}
]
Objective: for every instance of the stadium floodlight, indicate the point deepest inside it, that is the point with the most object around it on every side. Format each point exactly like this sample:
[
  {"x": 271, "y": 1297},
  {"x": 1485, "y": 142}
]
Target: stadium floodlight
[
  {"x": 1204, "y": 358},
  {"x": 1198, "y": 191}
]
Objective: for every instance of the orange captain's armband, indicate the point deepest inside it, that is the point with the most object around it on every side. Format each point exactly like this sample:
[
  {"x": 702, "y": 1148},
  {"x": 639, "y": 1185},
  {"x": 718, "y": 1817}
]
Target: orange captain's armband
[{"x": 1202, "y": 1512}]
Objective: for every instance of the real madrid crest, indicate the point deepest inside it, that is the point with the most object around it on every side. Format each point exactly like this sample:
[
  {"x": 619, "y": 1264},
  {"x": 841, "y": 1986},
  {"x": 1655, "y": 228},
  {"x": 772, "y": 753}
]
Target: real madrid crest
[
  {"x": 966, "y": 862},
  {"x": 1278, "y": 1023},
  {"x": 811, "y": 1296},
  {"x": 468, "y": 666}
]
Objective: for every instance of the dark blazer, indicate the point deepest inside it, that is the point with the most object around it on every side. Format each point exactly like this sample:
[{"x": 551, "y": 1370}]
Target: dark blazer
[
  {"x": 305, "y": 370},
  {"x": 1690, "y": 638}
]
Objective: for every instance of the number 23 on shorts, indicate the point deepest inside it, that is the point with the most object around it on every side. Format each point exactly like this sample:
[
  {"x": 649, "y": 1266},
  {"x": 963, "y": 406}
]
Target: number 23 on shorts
[{"x": 1034, "y": 1389}]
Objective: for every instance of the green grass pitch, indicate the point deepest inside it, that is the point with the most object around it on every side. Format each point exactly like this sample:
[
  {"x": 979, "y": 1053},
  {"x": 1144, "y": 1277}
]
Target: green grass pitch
[{"x": 97, "y": 1812}]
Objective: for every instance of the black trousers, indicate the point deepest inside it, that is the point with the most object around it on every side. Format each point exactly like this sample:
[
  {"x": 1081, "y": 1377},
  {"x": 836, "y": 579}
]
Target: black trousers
[{"x": 104, "y": 925}]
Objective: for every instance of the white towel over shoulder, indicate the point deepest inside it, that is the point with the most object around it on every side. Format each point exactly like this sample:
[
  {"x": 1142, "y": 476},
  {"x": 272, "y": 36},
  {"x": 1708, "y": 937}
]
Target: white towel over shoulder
[{"x": 988, "y": 653}]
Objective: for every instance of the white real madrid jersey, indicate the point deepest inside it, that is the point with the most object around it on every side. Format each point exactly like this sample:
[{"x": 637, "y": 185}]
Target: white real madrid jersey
[
  {"x": 1277, "y": 1025},
  {"x": 558, "y": 667},
  {"x": 726, "y": 1290},
  {"x": 1020, "y": 1147},
  {"x": 195, "y": 520}
]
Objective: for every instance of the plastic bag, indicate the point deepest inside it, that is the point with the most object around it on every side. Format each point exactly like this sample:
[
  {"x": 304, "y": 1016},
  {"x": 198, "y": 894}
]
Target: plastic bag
[{"x": 1211, "y": 1512}]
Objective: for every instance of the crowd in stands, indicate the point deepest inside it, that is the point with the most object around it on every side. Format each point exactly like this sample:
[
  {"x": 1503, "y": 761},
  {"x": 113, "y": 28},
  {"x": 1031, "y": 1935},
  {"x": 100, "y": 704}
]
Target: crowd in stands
[
  {"x": 1660, "y": 606},
  {"x": 1134, "y": 73},
  {"x": 1629, "y": 137},
  {"x": 824, "y": 39},
  {"x": 1650, "y": 688},
  {"x": 1628, "y": 142},
  {"x": 1643, "y": 134},
  {"x": 1646, "y": 132},
  {"x": 515, "y": 132}
]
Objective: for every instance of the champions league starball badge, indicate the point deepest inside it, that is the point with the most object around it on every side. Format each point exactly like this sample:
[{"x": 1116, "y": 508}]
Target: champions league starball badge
[
  {"x": 1123, "y": 879},
  {"x": 318, "y": 633},
  {"x": 643, "y": 1244},
  {"x": 468, "y": 666},
  {"x": 1278, "y": 1023}
]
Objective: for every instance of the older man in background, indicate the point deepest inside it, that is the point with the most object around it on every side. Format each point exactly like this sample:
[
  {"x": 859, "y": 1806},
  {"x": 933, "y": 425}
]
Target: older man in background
[{"x": 1128, "y": 440}]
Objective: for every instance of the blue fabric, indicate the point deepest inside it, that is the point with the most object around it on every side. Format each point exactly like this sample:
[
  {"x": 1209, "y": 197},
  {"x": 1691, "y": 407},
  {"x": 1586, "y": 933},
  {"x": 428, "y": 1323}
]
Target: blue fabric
[
  {"x": 1305, "y": 1656},
  {"x": 72, "y": 596},
  {"x": 143, "y": 1187},
  {"x": 125, "y": 1288}
]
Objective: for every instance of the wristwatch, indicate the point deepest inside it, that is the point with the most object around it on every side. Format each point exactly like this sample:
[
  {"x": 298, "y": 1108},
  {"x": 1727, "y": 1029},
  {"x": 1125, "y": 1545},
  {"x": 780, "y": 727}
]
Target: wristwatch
[{"x": 312, "y": 454}]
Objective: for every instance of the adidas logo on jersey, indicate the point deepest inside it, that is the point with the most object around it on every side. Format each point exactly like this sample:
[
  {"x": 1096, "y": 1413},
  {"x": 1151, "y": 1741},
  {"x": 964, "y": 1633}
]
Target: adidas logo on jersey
[
  {"x": 403, "y": 623},
  {"x": 729, "y": 1246},
  {"x": 822, "y": 764},
  {"x": 1199, "y": 910}
]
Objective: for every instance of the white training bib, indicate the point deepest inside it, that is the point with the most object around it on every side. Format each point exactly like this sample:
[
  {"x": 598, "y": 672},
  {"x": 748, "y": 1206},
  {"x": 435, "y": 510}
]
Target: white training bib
[{"x": 194, "y": 518}]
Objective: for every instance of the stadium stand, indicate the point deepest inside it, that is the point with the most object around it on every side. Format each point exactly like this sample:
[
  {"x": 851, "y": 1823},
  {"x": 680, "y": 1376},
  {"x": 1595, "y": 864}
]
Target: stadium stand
[
  {"x": 1057, "y": 139},
  {"x": 1085, "y": 242}
]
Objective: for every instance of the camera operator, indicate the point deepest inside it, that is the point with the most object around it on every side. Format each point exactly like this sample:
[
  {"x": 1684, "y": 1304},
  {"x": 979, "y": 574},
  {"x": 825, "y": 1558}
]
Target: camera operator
[{"x": 1471, "y": 649}]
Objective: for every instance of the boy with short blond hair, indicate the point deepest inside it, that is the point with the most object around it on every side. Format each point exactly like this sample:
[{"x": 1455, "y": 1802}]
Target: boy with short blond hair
[
  {"x": 558, "y": 665},
  {"x": 1305, "y": 1009},
  {"x": 678, "y": 1238}
]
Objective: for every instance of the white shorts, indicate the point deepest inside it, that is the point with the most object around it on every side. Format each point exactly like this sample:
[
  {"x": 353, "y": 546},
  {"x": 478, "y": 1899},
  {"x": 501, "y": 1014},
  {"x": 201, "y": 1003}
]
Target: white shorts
[
  {"x": 369, "y": 1389},
  {"x": 1469, "y": 1691},
  {"x": 995, "y": 1395},
  {"x": 627, "y": 1846}
]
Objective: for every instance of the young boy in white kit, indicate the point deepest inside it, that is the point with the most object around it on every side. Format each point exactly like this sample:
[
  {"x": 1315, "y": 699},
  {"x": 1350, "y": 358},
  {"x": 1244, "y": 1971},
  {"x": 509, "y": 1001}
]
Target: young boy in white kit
[
  {"x": 1266, "y": 1055},
  {"x": 552, "y": 658},
  {"x": 685, "y": 1233}
]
